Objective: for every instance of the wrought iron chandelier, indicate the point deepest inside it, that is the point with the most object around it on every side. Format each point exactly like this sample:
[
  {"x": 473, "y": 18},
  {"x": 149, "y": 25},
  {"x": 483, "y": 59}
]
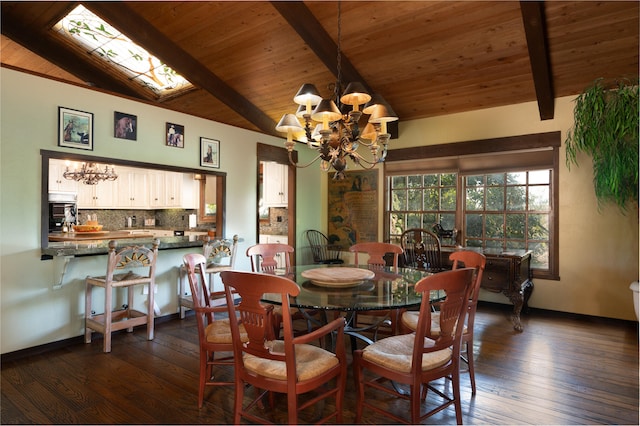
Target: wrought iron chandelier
[
  {"x": 90, "y": 173},
  {"x": 336, "y": 136}
]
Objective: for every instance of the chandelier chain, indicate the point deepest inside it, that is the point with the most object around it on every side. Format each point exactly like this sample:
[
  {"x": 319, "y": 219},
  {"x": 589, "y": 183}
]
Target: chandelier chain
[{"x": 338, "y": 87}]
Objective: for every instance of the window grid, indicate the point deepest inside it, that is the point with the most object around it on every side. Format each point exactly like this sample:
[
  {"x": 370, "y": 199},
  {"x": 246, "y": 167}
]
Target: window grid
[{"x": 504, "y": 211}]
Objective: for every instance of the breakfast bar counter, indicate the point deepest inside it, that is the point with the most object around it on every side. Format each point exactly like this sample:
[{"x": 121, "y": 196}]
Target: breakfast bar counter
[{"x": 99, "y": 245}]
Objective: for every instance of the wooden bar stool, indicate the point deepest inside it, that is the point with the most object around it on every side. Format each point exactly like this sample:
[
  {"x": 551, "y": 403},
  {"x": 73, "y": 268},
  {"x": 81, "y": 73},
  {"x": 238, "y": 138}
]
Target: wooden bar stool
[
  {"x": 136, "y": 265},
  {"x": 220, "y": 255}
]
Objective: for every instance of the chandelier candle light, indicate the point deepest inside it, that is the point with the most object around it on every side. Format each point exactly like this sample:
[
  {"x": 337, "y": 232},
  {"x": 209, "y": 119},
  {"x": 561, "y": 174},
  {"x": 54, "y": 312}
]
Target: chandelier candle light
[
  {"x": 90, "y": 173},
  {"x": 336, "y": 136}
]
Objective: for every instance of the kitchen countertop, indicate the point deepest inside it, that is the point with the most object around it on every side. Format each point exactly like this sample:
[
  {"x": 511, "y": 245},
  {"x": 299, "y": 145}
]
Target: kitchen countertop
[
  {"x": 101, "y": 245},
  {"x": 104, "y": 235}
]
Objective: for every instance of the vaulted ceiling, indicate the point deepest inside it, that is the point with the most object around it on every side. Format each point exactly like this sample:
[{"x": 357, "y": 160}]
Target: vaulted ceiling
[{"x": 246, "y": 60}]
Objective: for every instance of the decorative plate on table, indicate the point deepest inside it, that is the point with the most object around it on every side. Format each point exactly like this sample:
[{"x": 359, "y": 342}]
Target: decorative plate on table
[{"x": 338, "y": 277}]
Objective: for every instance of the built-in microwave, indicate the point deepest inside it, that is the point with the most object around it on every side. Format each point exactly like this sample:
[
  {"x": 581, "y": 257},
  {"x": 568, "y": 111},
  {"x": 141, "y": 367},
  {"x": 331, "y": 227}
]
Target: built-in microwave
[{"x": 63, "y": 208}]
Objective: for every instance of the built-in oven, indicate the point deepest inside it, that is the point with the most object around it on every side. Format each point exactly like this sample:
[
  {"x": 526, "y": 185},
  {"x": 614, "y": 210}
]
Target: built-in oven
[{"x": 63, "y": 209}]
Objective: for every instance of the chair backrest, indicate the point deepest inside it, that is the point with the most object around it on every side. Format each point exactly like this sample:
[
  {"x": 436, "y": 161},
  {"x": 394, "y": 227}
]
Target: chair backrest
[
  {"x": 194, "y": 263},
  {"x": 219, "y": 250},
  {"x": 257, "y": 317},
  {"x": 264, "y": 256},
  {"x": 140, "y": 259},
  {"x": 321, "y": 249},
  {"x": 376, "y": 252},
  {"x": 457, "y": 286},
  {"x": 421, "y": 249},
  {"x": 471, "y": 259}
]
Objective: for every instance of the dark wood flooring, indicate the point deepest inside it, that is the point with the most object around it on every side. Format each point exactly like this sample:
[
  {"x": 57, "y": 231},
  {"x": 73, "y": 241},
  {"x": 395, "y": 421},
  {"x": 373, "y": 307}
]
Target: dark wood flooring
[{"x": 563, "y": 369}]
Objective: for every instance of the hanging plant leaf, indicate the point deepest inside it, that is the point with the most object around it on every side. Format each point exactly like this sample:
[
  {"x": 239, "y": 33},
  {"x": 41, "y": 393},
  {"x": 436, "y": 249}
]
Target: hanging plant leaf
[{"x": 606, "y": 129}]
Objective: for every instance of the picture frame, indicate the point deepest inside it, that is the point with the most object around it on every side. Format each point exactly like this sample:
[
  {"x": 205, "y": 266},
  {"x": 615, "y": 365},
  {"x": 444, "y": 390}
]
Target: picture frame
[
  {"x": 174, "y": 134},
  {"x": 209, "y": 152},
  {"x": 125, "y": 126},
  {"x": 75, "y": 128}
]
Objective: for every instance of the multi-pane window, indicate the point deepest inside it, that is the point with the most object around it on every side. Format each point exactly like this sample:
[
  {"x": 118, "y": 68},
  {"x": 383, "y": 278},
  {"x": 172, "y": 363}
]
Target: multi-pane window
[{"x": 504, "y": 211}]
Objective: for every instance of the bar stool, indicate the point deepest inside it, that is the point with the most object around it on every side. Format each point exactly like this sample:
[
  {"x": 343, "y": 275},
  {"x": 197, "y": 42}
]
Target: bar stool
[
  {"x": 220, "y": 255},
  {"x": 136, "y": 265}
]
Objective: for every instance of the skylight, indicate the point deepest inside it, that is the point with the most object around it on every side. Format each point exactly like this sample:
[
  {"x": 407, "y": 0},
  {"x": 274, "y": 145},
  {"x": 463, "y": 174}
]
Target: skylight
[{"x": 100, "y": 39}]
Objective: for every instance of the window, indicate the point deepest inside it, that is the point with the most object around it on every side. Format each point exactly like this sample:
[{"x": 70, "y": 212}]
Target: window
[{"x": 504, "y": 199}]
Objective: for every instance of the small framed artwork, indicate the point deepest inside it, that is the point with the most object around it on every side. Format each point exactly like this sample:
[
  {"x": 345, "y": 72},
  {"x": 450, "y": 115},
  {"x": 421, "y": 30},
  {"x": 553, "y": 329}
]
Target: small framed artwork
[
  {"x": 75, "y": 128},
  {"x": 209, "y": 152},
  {"x": 175, "y": 135},
  {"x": 125, "y": 126}
]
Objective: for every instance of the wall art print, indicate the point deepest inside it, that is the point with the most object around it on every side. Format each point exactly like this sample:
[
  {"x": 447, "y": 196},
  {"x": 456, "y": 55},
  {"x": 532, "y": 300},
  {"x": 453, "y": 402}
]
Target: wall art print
[
  {"x": 75, "y": 128},
  {"x": 125, "y": 126},
  {"x": 209, "y": 152},
  {"x": 175, "y": 135},
  {"x": 353, "y": 208}
]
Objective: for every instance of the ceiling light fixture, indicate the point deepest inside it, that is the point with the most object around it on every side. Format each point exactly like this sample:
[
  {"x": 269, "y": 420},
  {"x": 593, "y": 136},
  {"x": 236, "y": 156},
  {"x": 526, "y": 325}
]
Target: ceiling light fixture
[
  {"x": 337, "y": 136},
  {"x": 90, "y": 173}
]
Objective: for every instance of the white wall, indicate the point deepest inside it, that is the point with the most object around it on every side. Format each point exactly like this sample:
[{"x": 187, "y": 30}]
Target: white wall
[{"x": 598, "y": 251}]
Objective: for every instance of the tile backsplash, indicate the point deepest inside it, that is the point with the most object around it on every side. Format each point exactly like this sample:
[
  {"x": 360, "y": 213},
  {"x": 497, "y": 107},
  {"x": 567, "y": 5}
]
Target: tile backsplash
[{"x": 115, "y": 220}]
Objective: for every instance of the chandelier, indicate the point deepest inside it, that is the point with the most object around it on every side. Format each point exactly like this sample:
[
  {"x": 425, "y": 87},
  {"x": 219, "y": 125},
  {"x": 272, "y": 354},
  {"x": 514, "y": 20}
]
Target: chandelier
[
  {"x": 335, "y": 135},
  {"x": 90, "y": 173}
]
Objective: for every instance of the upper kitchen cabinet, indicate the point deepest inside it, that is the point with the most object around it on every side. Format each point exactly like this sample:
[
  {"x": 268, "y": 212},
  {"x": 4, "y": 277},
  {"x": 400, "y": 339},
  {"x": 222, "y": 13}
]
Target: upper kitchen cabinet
[
  {"x": 99, "y": 196},
  {"x": 275, "y": 186},
  {"x": 57, "y": 182},
  {"x": 132, "y": 188},
  {"x": 172, "y": 190}
]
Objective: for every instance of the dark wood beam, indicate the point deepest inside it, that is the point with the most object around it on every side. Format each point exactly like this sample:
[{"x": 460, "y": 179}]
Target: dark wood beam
[
  {"x": 121, "y": 16},
  {"x": 298, "y": 15},
  {"x": 535, "y": 29}
]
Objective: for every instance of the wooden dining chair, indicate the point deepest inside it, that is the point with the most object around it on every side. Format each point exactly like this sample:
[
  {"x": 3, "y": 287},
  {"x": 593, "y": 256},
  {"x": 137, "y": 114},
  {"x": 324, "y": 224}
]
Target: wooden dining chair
[
  {"x": 377, "y": 251},
  {"x": 221, "y": 256},
  {"x": 469, "y": 259},
  {"x": 321, "y": 250},
  {"x": 417, "y": 359},
  {"x": 290, "y": 366},
  {"x": 127, "y": 267},
  {"x": 264, "y": 257},
  {"x": 214, "y": 332},
  {"x": 422, "y": 249}
]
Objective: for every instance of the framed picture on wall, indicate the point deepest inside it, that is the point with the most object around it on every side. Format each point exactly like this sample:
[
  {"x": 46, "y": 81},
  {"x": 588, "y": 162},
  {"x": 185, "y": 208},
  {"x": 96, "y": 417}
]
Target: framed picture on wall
[
  {"x": 175, "y": 135},
  {"x": 209, "y": 152},
  {"x": 125, "y": 126},
  {"x": 75, "y": 128}
]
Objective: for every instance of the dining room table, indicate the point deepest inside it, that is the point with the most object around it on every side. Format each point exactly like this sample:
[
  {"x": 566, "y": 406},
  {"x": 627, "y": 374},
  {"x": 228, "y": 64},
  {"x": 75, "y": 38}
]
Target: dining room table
[{"x": 352, "y": 289}]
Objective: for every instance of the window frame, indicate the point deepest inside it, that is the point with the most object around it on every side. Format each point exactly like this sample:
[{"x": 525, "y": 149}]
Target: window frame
[{"x": 525, "y": 152}]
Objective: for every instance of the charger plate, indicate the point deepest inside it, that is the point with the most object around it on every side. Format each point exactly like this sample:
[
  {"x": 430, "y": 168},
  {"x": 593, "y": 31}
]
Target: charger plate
[{"x": 338, "y": 277}]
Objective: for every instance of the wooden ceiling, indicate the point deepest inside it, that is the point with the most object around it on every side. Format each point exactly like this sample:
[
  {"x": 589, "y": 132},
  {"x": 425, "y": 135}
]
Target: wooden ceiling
[{"x": 248, "y": 59}]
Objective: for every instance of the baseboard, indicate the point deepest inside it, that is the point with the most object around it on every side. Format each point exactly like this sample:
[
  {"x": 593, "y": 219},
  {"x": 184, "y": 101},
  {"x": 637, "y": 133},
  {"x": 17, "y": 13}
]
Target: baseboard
[{"x": 72, "y": 341}]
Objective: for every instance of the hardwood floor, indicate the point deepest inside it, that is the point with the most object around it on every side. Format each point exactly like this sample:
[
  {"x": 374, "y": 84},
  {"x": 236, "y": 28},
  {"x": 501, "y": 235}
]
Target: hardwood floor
[{"x": 562, "y": 369}]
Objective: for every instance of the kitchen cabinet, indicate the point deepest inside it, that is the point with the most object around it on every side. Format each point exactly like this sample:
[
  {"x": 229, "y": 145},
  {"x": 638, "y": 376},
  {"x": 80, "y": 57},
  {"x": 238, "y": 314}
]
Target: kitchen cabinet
[
  {"x": 275, "y": 184},
  {"x": 132, "y": 188},
  {"x": 101, "y": 195},
  {"x": 173, "y": 189},
  {"x": 57, "y": 182},
  {"x": 155, "y": 180}
]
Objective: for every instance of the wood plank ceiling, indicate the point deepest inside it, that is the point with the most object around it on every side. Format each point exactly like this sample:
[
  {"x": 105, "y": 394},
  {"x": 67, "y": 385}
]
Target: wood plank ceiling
[{"x": 247, "y": 59}]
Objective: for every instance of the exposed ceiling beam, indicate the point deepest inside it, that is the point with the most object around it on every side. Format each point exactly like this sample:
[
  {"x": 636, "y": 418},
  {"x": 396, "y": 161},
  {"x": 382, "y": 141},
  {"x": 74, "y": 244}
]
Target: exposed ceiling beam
[
  {"x": 298, "y": 15},
  {"x": 534, "y": 26},
  {"x": 121, "y": 16}
]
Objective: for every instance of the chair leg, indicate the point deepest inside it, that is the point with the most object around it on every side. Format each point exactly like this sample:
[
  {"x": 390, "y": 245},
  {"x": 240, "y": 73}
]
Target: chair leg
[
  {"x": 129, "y": 305},
  {"x": 358, "y": 375},
  {"x": 472, "y": 376},
  {"x": 455, "y": 379},
  {"x": 87, "y": 311},
  {"x": 151, "y": 311},
  {"x": 182, "y": 274},
  {"x": 108, "y": 295},
  {"x": 204, "y": 356}
]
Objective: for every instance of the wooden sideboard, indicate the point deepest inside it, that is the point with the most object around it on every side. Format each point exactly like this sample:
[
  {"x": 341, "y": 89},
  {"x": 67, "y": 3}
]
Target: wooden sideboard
[{"x": 508, "y": 273}]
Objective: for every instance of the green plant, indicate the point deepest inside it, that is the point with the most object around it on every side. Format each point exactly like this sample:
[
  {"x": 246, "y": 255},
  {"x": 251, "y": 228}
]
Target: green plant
[{"x": 606, "y": 128}]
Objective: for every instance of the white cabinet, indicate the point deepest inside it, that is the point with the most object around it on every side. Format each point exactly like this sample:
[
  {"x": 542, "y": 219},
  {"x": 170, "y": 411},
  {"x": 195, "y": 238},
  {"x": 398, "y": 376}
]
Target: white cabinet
[
  {"x": 173, "y": 189},
  {"x": 275, "y": 184},
  {"x": 155, "y": 180},
  {"x": 101, "y": 195},
  {"x": 190, "y": 191},
  {"x": 132, "y": 188},
  {"x": 57, "y": 182}
]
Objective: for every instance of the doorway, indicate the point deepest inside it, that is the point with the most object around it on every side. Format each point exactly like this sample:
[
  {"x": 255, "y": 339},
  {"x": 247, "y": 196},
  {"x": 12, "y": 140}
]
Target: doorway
[{"x": 276, "y": 197}]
